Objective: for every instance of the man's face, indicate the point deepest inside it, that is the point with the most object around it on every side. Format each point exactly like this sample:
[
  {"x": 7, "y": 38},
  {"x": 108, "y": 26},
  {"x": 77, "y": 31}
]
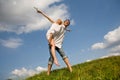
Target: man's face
[{"x": 67, "y": 23}]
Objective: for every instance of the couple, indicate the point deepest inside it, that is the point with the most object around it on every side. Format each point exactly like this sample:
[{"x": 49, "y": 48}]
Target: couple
[{"x": 55, "y": 36}]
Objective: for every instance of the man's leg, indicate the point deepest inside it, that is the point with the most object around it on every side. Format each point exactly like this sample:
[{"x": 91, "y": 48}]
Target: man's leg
[
  {"x": 49, "y": 69},
  {"x": 50, "y": 63},
  {"x": 68, "y": 64},
  {"x": 65, "y": 58}
]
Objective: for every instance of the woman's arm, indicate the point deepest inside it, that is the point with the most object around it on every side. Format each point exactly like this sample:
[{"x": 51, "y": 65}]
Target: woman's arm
[
  {"x": 50, "y": 38},
  {"x": 44, "y": 15}
]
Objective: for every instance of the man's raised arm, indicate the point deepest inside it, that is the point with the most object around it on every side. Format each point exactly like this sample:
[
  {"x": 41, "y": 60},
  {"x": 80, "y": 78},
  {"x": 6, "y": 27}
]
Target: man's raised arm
[{"x": 44, "y": 15}]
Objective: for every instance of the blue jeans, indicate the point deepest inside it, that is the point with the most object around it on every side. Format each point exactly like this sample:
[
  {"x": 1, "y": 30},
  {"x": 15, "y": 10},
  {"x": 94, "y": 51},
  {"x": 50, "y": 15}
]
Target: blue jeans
[{"x": 60, "y": 51}]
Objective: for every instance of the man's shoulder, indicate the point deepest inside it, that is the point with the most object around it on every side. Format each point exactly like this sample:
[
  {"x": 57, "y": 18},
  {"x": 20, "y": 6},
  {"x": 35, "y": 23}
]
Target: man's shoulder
[
  {"x": 63, "y": 25},
  {"x": 53, "y": 25}
]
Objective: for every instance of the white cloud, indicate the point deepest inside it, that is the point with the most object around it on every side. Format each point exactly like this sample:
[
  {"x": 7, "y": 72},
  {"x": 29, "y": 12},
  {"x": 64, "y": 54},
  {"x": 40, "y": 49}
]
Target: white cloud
[
  {"x": 115, "y": 54},
  {"x": 111, "y": 54},
  {"x": 23, "y": 72},
  {"x": 88, "y": 60},
  {"x": 11, "y": 42},
  {"x": 98, "y": 46},
  {"x": 115, "y": 49},
  {"x": 113, "y": 36},
  {"x": 39, "y": 69},
  {"x": 111, "y": 42},
  {"x": 20, "y": 72},
  {"x": 19, "y": 16}
]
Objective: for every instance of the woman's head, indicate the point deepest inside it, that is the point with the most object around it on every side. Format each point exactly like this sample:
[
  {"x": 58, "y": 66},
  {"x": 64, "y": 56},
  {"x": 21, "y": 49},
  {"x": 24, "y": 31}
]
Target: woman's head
[
  {"x": 66, "y": 22},
  {"x": 59, "y": 21}
]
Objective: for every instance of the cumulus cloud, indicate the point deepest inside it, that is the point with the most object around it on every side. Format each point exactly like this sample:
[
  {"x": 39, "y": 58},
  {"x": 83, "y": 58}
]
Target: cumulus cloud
[
  {"x": 19, "y": 16},
  {"x": 23, "y": 72},
  {"x": 111, "y": 54},
  {"x": 11, "y": 42},
  {"x": 115, "y": 49},
  {"x": 111, "y": 42},
  {"x": 98, "y": 46},
  {"x": 88, "y": 60}
]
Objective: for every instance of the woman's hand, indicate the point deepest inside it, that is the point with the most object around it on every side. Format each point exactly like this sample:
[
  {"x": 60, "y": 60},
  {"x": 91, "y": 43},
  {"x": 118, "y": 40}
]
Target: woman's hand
[{"x": 37, "y": 10}]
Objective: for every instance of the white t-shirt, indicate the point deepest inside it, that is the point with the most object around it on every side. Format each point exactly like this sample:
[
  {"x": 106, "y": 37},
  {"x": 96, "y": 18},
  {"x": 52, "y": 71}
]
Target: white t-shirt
[{"x": 58, "y": 32}]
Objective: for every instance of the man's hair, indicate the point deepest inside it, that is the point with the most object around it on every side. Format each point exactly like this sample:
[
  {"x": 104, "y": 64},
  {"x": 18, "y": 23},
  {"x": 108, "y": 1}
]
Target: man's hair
[{"x": 67, "y": 20}]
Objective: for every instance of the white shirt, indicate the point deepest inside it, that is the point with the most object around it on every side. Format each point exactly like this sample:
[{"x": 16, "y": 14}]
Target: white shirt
[{"x": 58, "y": 32}]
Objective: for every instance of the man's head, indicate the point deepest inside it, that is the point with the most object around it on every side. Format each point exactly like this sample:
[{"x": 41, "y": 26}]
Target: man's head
[
  {"x": 66, "y": 22},
  {"x": 59, "y": 21}
]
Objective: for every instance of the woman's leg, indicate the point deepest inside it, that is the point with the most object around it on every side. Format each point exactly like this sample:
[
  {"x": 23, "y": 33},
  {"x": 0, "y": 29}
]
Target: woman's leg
[{"x": 52, "y": 45}]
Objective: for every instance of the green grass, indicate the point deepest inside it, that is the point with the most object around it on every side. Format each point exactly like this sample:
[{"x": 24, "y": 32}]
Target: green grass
[{"x": 101, "y": 69}]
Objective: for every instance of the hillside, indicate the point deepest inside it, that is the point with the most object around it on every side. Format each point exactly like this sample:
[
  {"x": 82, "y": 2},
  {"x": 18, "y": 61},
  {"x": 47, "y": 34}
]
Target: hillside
[{"x": 101, "y": 69}]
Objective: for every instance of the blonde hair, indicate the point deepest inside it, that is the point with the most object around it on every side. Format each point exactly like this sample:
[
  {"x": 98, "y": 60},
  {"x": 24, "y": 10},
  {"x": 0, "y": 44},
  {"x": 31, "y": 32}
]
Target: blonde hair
[{"x": 59, "y": 21}]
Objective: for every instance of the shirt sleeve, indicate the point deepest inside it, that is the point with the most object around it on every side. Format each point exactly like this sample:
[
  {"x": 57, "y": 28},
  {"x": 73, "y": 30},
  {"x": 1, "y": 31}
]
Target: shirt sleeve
[{"x": 52, "y": 29}]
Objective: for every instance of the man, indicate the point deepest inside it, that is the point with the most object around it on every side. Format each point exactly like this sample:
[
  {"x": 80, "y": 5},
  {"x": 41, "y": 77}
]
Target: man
[{"x": 55, "y": 36}]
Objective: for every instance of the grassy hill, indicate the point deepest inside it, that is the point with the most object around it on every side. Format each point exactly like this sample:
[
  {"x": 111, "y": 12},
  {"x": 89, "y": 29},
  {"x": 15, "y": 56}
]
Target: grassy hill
[{"x": 101, "y": 69}]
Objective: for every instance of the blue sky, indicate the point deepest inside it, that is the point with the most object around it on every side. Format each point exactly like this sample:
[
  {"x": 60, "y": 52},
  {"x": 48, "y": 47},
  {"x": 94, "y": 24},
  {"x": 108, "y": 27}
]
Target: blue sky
[{"x": 95, "y": 26}]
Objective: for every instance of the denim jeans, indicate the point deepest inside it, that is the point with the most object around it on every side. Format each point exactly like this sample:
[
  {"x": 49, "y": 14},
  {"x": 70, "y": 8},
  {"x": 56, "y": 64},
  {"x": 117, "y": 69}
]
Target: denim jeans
[{"x": 60, "y": 51}]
